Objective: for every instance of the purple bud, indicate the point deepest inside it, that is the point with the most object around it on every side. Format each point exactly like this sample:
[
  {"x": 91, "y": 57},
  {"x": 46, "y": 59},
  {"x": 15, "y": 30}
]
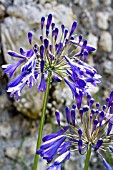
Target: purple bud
[
  {"x": 72, "y": 38},
  {"x": 56, "y": 33},
  {"x": 95, "y": 122},
  {"x": 22, "y": 52},
  {"x": 88, "y": 99},
  {"x": 97, "y": 105},
  {"x": 57, "y": 114},
  {"x": 91, "y": 102},
  {"x": 60, "y": 45},
  {"x": 107, "y": 101},
  {"x": 79, "y": 133},
  {"x": 46, "y": 43},
  {"x": 35, "y": 45},
  {"x": 62, "y": 27},
  {"x": 84, "y": 43},
  {"x": 78, "y": 97},
  {"x": 41, "y": 38},
  {"x": 93, "y": 111},
  {"x": 30, "y": 35},
  {"x": 49, "y": 20},
  {"x": 42, "y": 22},
  {"x": 104, "y": 107},
  {"x": 80, "y": 146},
  {"x": 81, "y": 112},
  {"x": 42, "y": 65},
  {"x": 66, "y": 41},
  {"x": 101, "y": 118},
  {"x": 67, "y": 114},
  {"x": 98, "y": 144},
  {"x": 56, "y": 46},
  {"x": 85, "y": 108},
  {"x": 85, "y": 54},
  {"x": 73, "y": 116},
  {"x": 53, "y": 25},
  {"x": 74, "y": 25},
  {"x": 41, "y": 51},
  {"x": 51, "y": 48},
  {"x": 80, "y": 38},
  {"x": 65, "y": 33},
  {"x": 74, "y": 106},
  {"x": 47, "y": 33},
  {"x": 35, "y": 50}
]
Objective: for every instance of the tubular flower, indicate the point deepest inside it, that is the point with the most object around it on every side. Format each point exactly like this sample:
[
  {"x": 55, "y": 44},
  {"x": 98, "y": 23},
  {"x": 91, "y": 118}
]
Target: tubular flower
[
  {"x": 88, "y": 126},
  {"x": 52, "y": 55}
]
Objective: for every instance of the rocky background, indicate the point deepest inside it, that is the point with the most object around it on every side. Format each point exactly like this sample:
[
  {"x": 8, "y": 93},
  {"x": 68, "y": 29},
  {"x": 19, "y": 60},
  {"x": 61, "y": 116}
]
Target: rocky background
[{"x": 19, "y": 121}]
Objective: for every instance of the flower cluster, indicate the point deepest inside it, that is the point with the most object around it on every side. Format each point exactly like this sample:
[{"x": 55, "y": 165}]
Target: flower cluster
[
  {"x": 89, "y": 126},
  {"x": 51, "y": 56}
]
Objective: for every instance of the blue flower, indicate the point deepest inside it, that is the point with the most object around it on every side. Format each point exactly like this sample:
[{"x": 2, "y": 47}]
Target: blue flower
[
  {"x": 49, "y": 56},
  {"x": 93, "y": 129}
]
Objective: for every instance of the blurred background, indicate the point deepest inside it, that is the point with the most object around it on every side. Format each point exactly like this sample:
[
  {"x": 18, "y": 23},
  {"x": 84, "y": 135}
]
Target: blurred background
[{"x": 19, "y": 121}]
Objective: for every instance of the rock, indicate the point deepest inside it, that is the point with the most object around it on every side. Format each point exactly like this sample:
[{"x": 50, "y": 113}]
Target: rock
[
  {"x": 5, "y": 130},
  {"x": 94, "y": 3},
  {"x": 111, "y": 56},
  {"x": 108, "y": 67},
  {"x": 102, "y": 20},
  {"x": 107, "y": 3},
  {"x": 4, "y": 102},
  {"x": 105, "y": 42},
  {"x": 62, "y": 93},
  {"x": 12, "y": 152},
  {"x": 2, "y": 11},
  {"x": 93, "y": 40},
  {"x": 30, "y": 103}
]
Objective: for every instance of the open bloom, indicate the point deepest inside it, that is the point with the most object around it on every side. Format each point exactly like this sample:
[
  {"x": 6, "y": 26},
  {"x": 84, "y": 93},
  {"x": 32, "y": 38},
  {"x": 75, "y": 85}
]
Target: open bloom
[
  {"x": 52, "y": 55},
  {"x": 88, "y": 126}
]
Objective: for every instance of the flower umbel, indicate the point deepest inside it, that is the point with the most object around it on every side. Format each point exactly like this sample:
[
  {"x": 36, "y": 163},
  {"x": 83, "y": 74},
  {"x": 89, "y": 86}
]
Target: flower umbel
[
  {"x": 88, "y": 126},
  {"x": 52, "y": 55}
]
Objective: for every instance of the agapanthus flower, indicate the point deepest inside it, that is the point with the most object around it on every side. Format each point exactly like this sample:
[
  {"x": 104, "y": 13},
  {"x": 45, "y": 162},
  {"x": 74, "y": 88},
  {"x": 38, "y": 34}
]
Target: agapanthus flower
[
  {"x": 87, "y": 126},
  {"x": 52, "y": 55}
]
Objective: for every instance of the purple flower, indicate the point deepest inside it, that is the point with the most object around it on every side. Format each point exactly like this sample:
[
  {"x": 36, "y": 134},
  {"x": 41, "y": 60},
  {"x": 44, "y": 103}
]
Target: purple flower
[
  {"x": 49, "y": 57},
  {"x": 80, "y": 133}
]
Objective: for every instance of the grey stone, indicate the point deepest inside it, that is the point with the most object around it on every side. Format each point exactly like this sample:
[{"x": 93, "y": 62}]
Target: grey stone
[
  {"x": 5, "y": 130},
  {"x": 105, "y": 42},
  {"x": 111, "y": 56},
  {"x": 108, "y": 67},
  {"x": 93, "y": 40},
  {"x": 12, "y": 152},
  {"x": 102, "y": 20},
  {"x": 2, "y": 11}
]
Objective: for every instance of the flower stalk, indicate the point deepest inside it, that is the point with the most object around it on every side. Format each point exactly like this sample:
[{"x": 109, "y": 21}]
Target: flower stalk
[
  {"x": 42, "y": 121},
  {"x": 87, "y": 158}
]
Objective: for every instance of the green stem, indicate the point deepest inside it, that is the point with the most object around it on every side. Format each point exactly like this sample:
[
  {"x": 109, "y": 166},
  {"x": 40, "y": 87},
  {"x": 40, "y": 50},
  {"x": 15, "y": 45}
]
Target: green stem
[
  {"x": 87, "y": 158},
  {"x": 42, "y": 121}
]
